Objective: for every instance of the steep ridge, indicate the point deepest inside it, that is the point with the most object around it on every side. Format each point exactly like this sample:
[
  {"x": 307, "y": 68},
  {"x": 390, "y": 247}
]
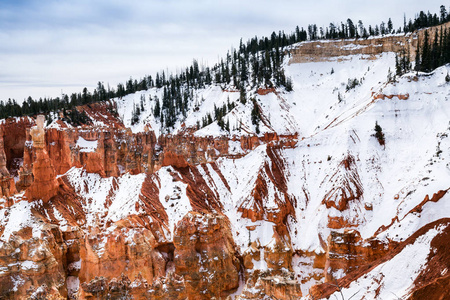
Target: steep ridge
[{"x": 312, "y": 205}]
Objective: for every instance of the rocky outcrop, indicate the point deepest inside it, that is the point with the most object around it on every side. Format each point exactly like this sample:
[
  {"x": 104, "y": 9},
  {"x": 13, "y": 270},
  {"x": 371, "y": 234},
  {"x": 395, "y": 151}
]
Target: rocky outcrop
[
  {"x": 282, "y": 286},
  {"x": 14, "y": 133},
  {"x": 344, "y": 185},
  {"x": 200, "y": 264},
  {"x": 126, "y": 253},
  {"x": 114, "y": 150},
  {"x": 33, "y": 266},
  {"x": 312, "y": 51},
  {"x": 322, "y": 51},
  {"x": 347, "y": 251},
  {"x": 428, "y": 285},
  {"x": 383, "y": 96},
  {"x": 45, "y": 184},
  {"x": 256, "y": 207},
  {"x": 7, "y": 186},
  {"x": 205, "y": 256}
]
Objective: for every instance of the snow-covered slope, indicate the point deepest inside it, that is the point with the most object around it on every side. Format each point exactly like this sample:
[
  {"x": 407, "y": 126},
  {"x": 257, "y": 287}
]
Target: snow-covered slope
[
  {"x": 312, "y": 106},
  {"x": 336, "y": 124},
  {"x": 331, "y": 180}
]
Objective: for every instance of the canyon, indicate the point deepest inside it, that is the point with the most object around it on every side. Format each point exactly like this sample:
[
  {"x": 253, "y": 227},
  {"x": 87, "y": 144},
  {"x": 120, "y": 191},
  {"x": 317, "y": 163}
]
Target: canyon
[{"x": 310, "y": 207}]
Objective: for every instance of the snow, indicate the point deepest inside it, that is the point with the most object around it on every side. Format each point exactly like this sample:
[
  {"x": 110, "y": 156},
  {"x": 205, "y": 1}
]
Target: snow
[
  {"x": 397, "y": 169},
  {"x": 86, "y": 146},
  {"x": 17, "y": 280},
  {"x": 234, "y": 148},
  {"x": 20, "y": 216},
  {"x": 106, "y": 198},
  {"x": 63, "y": 225},
  {"x": 29, "y": 265},
  {"x": 73, "y": 284},
  {"x": 172, "y": 195},
  {"x": 394, "y": 179},
  {"x": 394, "y": 278},
  {"x": 305, "y": 272}
]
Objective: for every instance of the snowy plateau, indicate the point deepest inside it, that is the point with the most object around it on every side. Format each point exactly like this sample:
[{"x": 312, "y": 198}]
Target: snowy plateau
[{"x": 309, "y": 205}]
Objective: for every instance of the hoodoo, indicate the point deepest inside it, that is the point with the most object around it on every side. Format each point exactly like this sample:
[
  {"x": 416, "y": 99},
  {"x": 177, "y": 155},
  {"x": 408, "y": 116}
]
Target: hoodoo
[{"x": 45, "y": 185}]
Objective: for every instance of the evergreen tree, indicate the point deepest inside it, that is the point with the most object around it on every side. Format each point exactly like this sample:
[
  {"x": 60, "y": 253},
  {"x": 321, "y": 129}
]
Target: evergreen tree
[
  {"x": 443, "y": 14},
  {"x": 351, "y": 29},
  {"x": 379, "y": 134},
  {"x": 425, "y": 60},
  {"x": 389, "y": 26},
  {"x": 242, "y": 96}
]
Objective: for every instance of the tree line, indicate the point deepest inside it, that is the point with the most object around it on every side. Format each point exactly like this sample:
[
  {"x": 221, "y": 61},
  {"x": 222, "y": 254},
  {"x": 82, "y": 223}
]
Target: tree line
[
  {"x": 255, "y": 63},
  {"x": 433, "y": 51}
]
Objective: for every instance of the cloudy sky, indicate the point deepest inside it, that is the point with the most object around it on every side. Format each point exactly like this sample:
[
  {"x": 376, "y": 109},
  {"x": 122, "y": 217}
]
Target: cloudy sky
[{"x": 49, "y": 46}]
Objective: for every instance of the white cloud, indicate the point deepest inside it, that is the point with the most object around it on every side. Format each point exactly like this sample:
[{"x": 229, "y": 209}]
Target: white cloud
[{"x": 46, "y": 46}]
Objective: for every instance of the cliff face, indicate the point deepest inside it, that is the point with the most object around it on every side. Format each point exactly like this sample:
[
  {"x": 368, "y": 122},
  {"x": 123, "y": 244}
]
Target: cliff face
[
  {"x": 327, "y": 50},
  {"x": 7, "y": 186},
  {"x": 316, "y": 51},
  {"x": 312, "y": 206}
]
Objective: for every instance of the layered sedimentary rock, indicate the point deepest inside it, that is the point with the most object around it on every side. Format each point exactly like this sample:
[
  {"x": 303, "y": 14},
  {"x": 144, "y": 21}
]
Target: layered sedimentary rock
[
  {"x": 192, "y": 216},
  {"x": 33, "y": 264},
  {"x": 45, "y": 185},
  {"x": 332, "y": 49},
  {"x": 205, "y": 256},
  {"x": 7, "y": 186}
]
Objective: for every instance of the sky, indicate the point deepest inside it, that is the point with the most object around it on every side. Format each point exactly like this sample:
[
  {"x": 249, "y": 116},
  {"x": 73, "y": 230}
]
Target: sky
[{"x": 49, "y": 47}]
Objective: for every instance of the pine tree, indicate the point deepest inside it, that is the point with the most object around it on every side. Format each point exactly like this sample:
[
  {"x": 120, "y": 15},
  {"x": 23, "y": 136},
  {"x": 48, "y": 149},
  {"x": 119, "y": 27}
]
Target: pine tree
[
  {"x": 425, "y": 61},
  {"x": 351, "y": 29},
  {"x": 417, "y": 59},
  {"x": 157, "y": 109},
  {"x": 289, "y": 86},
  {"x": 379, "y": 134},
  {"x": 389, "y": 26},
  {"x": 443, "y": 14},
  {"x": 242, "y": 96},
  {"x": 256, "y": 116}
]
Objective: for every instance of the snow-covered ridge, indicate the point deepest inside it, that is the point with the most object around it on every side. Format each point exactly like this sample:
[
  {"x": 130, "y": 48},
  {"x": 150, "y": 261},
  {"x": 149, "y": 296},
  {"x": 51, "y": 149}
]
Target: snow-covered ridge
[
  {"x": 282, "y": 112},
  {"x": 106, "y": 198}
]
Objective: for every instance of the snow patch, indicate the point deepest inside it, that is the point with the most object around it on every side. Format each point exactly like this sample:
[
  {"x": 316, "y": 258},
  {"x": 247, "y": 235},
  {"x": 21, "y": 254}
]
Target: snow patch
[{"x": 86, "y": 146}]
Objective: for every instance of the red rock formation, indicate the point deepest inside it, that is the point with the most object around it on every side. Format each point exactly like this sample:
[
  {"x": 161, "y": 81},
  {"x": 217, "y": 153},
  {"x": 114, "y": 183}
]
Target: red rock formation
[
  {"x": 347, "y": 251},
  {"x": 434, "y": 279},
  {"x": 205, "y": 256},
  {"x": 14, "y": 137},
  {"x": 345, "y": 185},
  {"x": 103, "y": 113},
  {"x": 437, "y": 289},
  {"x": 262, "y": 285},
  {"x": 441, "y": 241},
  {"x": 45, "y": 184},
  {"x": 7, "y": 186},
  {"x": 126, "y": 252},
  {"x": 254, "y": 207},
  {"x": 278, "y": 255},
  {"x": 202, "y": 198},
  {"x": 58, "y": 148},
  {"x": 281, "y": 287},
  {"x": 33, "y": 266},
  {"x": 383, "y": 96},
  {"x": 173, "y": 159},
  {"x": 265, "y": 91}
]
